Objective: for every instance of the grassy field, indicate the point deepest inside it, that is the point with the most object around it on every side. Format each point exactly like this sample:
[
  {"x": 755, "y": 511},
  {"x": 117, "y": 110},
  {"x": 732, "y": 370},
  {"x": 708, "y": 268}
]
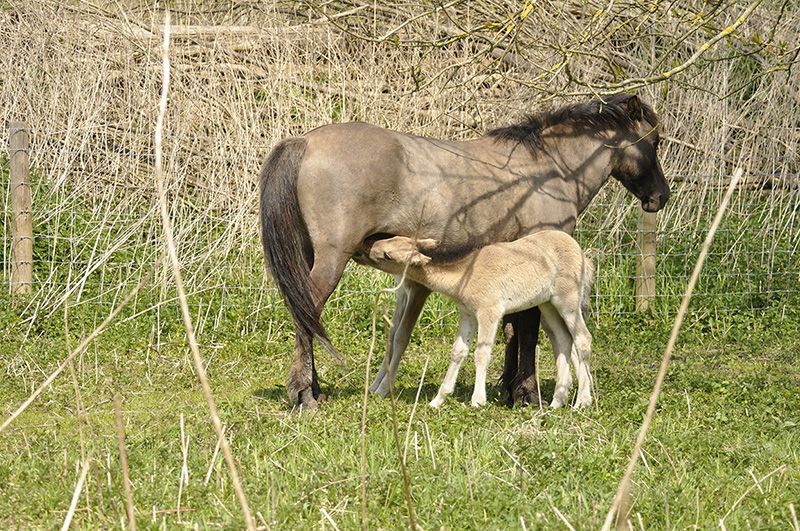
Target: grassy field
[{"x": 724, "y": 443}]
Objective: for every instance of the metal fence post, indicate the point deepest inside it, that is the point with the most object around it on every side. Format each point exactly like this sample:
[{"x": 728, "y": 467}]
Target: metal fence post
[
  {"x": 22, "y": 223},
  {"x": 646, "y": 261}
]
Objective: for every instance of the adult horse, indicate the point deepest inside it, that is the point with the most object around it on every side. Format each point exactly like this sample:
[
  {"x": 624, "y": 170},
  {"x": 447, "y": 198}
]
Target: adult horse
[{"x": 325, "y": 193}]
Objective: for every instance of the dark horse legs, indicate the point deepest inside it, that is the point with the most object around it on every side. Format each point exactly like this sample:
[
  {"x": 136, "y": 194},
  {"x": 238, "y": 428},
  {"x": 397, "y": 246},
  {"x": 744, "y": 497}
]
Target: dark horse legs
[{"x": 521, "y": 331}]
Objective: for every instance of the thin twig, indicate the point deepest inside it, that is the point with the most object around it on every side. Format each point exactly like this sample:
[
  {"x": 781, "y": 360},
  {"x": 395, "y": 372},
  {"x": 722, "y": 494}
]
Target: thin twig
[
  {"x": 123, "y": 462},
  {"x": 414, "y": 408},
  {"x": 412, "y": 519},
  {"x": 622, "y": 497},
  {"x": 176, "y": 273},
  {"x": 364, "y": 420},
  {"x": 75, "y": 496},
  {"x": 748, "y": 490}
]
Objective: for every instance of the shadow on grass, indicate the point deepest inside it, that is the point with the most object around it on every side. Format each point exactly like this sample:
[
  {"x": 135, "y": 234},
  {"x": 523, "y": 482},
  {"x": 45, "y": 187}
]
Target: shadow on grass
[{"x": 407, "y": 395}]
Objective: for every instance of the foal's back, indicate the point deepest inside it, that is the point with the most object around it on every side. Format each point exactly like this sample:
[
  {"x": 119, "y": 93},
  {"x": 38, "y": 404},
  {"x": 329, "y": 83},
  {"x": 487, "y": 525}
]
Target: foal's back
[{"x": 523, "y": 273}]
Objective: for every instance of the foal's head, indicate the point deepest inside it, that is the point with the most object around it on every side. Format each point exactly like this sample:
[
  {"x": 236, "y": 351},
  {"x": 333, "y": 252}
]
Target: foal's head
[
  {"x": 635, "y": 163},
  {"x": 401, "y": 250}
]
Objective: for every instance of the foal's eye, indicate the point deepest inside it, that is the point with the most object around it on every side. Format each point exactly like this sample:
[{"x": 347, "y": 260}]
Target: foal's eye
[{"x": 386, "y": 255}]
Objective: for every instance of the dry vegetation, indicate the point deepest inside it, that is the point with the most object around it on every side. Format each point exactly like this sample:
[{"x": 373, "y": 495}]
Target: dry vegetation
[{"x": 86, "y": 78}]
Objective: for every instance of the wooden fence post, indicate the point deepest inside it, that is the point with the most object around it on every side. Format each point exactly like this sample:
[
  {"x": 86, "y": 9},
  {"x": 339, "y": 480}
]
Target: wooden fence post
[
  {"x": 646, "y": 261},
  {"x": 22, "y": 223}
]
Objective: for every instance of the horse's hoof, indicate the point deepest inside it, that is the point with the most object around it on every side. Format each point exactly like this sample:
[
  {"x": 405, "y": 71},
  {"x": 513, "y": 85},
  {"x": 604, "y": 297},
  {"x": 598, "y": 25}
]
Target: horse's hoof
[
  {"x": 306, "y": 399},
  {"x": 382, "y": 391},
  {"x": 526, "y": 395}
]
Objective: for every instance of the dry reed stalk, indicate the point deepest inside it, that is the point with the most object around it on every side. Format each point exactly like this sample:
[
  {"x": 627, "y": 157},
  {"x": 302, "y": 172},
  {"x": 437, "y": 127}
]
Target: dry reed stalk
[
  {"x": 123, "y": 462},
  {"x": 621, "y": 503},
  {"x": 76, "y": 496},
  {"x": 412, "y": 519},
  {"x": 756, "y": 485},
  {"x": 363, "y": 436},
  {"x": 176, "y": 273},
  {"x": 94, "y": 143},
  {"x": 414, "y": 407}
]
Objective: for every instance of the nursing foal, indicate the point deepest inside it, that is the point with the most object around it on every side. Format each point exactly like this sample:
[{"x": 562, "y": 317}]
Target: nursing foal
[{"x": 547, "y": 269}]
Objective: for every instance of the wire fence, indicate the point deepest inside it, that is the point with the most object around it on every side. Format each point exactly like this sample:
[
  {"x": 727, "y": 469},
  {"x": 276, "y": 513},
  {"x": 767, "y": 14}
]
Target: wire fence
[{"x": 753, "y": 265}]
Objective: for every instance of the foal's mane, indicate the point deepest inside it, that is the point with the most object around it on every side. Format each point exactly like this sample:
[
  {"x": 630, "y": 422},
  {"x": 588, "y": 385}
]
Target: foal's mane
[{"x": 611, "y": 112}]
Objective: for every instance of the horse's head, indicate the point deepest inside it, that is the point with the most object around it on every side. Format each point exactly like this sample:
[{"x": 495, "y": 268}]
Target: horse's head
[{"x": 635, "y": 163}]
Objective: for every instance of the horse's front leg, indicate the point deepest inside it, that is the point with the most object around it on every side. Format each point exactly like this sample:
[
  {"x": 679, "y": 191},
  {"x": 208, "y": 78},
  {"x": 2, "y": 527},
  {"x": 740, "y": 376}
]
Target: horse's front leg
[
  {"x": 400, "y": 333},
  {"x": 400, "y": 308}
]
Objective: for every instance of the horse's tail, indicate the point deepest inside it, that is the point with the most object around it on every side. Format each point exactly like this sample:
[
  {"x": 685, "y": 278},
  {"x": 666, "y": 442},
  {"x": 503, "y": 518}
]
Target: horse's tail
[{"x": 288, "y": 250}]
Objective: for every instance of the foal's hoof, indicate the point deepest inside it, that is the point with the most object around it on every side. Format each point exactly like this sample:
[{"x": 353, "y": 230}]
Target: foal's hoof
[
  {"x": 436, "y": 403},
  {"x": 582, "y": 403},
  {"x": 478, "y": 401}
]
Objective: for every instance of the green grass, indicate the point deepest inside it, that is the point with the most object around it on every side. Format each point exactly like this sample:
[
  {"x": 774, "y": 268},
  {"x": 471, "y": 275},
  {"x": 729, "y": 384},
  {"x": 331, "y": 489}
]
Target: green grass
[{"x": 729, "y": 410}]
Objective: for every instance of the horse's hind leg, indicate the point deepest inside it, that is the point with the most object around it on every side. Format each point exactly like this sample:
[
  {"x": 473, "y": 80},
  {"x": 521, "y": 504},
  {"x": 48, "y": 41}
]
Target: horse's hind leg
[
  {"x": 408, "y": 310},
  {"x": 521, "y": 330},
  {"x": 303, "y": 386},
  {"x": 526, "y": 388}
]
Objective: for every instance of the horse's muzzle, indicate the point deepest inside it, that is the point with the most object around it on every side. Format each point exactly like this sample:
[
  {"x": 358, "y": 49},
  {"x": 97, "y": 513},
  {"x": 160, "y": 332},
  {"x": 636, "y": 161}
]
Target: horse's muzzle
[{"x": 655, "y": 202}]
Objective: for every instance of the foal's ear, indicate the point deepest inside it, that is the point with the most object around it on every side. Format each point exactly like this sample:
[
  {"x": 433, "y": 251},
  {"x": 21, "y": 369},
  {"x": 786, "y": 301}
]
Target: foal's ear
[
  {"x": 418, "y": 259},
  {"x": 427, "y": 244},
  {"x": 633, "y": 106}
]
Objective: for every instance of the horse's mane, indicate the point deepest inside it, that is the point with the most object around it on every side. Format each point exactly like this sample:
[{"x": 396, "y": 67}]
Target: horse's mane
[{"x": 606, "y": 112}]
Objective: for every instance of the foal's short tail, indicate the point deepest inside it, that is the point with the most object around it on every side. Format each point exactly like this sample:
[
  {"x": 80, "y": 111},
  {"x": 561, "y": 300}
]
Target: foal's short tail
[
  {"x": 586, "y": 285},
  {"x": 288, "y": 249}
]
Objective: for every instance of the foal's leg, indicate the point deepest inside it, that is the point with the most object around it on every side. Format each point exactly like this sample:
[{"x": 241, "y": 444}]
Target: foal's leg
[
  {"x": 487, "y": 330},
  {"x": 303, "y": 385},
  {"x": 561, "y": 340},
  {"x": 400, "y": 332},
  {"x": 511, "y": 362},
  {"x": 581, "y": 350},
  {"x": 466, "y": 328}
]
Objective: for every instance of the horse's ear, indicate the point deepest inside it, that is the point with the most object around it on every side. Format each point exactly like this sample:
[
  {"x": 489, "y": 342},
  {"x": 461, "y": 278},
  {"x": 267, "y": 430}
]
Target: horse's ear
[
  {"x": 633, "y": 106},
  {"x": 427, "y": 244}
]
